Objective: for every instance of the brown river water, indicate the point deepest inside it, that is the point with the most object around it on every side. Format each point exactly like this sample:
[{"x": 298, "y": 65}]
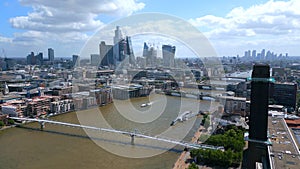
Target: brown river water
[{"x": 70, "y": 148}]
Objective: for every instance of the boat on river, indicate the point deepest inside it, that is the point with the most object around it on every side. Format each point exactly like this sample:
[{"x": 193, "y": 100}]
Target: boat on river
[{"x": 146, "y": 104}]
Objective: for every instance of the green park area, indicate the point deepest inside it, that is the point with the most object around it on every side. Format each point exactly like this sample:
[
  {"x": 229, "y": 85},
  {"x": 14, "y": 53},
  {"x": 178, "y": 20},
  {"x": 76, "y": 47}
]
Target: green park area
[{"x": 233, "y": 142}]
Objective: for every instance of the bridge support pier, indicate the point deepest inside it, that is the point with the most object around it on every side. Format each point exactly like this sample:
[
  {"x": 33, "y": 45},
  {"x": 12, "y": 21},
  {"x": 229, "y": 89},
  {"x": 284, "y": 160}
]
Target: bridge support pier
[
  {"x": 42, "y": 124},
  {"x": 132, "y": 139}
]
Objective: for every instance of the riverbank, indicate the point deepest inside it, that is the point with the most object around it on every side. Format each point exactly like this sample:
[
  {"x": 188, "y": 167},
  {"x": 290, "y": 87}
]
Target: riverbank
[
  {"x": 51, "y": 115},
  {"x": 27, "y": 122},
  {"x": 7, "y": 127},
  {"x": 182, "y": 161}
]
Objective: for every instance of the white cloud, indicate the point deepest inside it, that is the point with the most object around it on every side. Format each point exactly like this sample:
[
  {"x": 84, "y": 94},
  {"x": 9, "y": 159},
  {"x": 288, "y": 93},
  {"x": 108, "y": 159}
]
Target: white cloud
[
  {"x": 64, "y": 24},
  {"x": 70, "y": 15},
  {"x": 273, "y": 17},
  {"x": 5, "y": 39},
  {"x": 269, "y": 23}
]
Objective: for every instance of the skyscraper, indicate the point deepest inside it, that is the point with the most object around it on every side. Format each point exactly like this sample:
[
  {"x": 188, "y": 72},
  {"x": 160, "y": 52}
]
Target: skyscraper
[
  {"x": 152, "y": 57},
  {"x": 121, "y": 49},
  {"x": 95, "y": 59},
  {"x": 254, "y": 54},
  {"x": 118, "y": 35},
  {"x": 150, "y": 53},
  {"x": 76, "y": 60},
  {"x": 106, "y": 54},
  {"x": 130, "y": 50},
  {"x": 263, "y": 54},
  {"x": 145, "y": 50},
  {"x": 31, "y": 60},
  {"x": 269, "y": 55},
  {"x": 168, "y": 53},
  {"x": 39, "y": 58},
  {"x": 50, "y": 54},
  {"x": 116, "y": 46}
]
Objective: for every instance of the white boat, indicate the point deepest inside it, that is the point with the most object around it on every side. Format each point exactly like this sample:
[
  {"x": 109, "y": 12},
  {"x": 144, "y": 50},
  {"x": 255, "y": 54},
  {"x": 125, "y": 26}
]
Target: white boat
[
  {"x": 146, "y": 104},
  {"x": 191, "y": 96},
  {"x": 208, "y": 98},
  {"x": 206, "y": 87},
  {"x": 175, "y": 94},
  {"x": 183, "y": 117}
]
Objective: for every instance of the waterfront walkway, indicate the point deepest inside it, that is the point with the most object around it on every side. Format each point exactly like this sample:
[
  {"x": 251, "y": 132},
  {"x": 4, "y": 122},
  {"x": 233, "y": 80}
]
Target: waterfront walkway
[{"x": 185, "y": 155}]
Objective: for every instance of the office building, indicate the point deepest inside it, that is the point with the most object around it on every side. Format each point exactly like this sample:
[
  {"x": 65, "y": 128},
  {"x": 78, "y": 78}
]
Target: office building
[
  {"x": 262, "y": 54},
  {"x": 284, "y": 94},
  {"x": 39, "y": 59},
  {"x": 35, "y": 59},
  {"x": 152, "y": 57},
  {"x": 129, "y": 50},
  {"x": 51, "y": 55},
  {"x": 106, "y": 54},
  {"x": 31, "y": 60},
  {"x": 254, "y": 54},
  {"x": 76, "y": 60},
  {"x": 118, "y": 35},
  {"x": 116, "y": 46},
  {"x": 168, "y": 53},
  {"x": 150, "y": 53},
  {"x": 95, "y": 59},
  {"x": 145, "y": 50},
  {"x": 113, "y": 55}
]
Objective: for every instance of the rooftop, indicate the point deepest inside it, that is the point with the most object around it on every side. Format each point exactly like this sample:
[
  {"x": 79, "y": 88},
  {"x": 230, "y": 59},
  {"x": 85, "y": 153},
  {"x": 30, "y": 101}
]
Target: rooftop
[{"x": 284, "y": 151}]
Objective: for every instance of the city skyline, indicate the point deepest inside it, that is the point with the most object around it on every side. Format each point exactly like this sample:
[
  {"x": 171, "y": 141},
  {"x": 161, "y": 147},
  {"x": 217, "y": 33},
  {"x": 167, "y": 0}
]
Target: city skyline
[{"x": 231, "y": 27}]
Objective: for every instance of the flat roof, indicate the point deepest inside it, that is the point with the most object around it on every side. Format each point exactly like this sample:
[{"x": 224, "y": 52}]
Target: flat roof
[
  {"x": 9, "y": 97},
  {"x": 285, "y": 152}
]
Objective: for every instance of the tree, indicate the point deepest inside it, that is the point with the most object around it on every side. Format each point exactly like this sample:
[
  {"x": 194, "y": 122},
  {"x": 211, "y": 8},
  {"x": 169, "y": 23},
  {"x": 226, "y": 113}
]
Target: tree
[
  {"x": 203, "y": 137},
  {"x": 11, "y": 121},
  {"x": 233, "y": 142},
  {"x": 1, "y": 124},
  {"x": 193, "y": 166},
  {"x": 298, "y": 99},
  {"x": 206, "y": 123}
]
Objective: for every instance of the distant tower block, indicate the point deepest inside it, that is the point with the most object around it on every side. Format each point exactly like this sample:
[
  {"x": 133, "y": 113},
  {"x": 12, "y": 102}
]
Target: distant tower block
[
  {"x": 51, "y": 55},
  {"x": 257, "y": 149}
]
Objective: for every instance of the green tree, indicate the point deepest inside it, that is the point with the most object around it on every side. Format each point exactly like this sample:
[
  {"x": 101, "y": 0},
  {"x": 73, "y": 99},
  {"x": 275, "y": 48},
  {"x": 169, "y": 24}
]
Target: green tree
[
  {"x": 298, "y": 100},
  {"x": 233, "y": 142},
  {"x": 193, "y": 166},
  {"x": 203, "y": 137},
  {"x": 11, "y": 121},
  {"x": 206, "y": 123},
  {"x": 1, "y": 124}
]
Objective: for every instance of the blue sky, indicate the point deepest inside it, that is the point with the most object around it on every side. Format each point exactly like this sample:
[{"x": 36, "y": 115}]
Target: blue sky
[{"x": 232, "y": 26}]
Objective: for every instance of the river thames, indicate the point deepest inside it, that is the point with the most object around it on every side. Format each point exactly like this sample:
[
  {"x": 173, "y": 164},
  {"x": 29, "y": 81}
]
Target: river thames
[{"x": 64, "y": 147}]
